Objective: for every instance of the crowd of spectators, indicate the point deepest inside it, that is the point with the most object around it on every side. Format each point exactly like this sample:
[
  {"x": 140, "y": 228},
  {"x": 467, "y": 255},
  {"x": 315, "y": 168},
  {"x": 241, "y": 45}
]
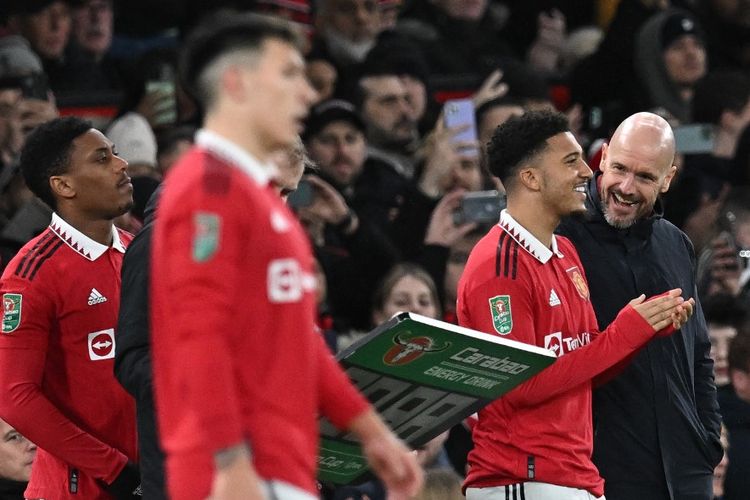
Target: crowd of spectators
[{"x": 385, "y": 175}]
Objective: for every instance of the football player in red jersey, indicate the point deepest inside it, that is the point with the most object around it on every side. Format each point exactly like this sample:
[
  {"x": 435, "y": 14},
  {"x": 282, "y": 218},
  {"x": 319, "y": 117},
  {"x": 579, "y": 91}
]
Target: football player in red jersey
[
  {"x": 60, "y": 300},
  {"x": 240, "y": 374}
]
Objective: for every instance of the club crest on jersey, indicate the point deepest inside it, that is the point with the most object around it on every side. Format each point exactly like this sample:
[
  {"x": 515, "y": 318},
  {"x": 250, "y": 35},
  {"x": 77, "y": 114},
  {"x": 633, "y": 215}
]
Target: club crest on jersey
[
  {"x": 11, "y": 311},
  {"x": 576, "y": 277},
  {"x": 408, "y": 349},
  {"x": 502, "y": 319},
  {"x": 206, "y": 233}
]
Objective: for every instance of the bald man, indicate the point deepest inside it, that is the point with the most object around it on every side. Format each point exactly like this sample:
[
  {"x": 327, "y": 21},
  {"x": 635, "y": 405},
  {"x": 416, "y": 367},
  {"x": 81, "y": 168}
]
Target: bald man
[{"x": 657, "y": 422}]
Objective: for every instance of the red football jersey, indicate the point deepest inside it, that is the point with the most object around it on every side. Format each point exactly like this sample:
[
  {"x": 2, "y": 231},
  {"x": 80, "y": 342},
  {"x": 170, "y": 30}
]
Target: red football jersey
[
  {"x": 235, "y": 354},
  {"x": 516, "y": 287},
  {"x": 61, "y": 295}
]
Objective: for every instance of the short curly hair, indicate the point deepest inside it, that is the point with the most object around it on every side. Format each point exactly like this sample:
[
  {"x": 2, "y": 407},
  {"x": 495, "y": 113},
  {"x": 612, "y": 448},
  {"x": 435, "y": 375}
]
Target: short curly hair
[
  {"x": 521, "y": 138},
  {"x": 47, "y": 153}
]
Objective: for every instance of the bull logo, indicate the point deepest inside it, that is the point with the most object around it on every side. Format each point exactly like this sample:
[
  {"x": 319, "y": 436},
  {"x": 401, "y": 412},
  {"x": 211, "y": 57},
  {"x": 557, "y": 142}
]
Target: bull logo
[{"x": 407, "y": 349}]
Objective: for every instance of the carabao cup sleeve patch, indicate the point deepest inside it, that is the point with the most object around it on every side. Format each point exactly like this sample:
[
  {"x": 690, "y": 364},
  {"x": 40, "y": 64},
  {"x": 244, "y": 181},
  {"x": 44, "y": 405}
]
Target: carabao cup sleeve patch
[
  {"x": 502, "y": 317},
  {"x": 206, "y": 235},
  {"x": 12, "y": 306}
]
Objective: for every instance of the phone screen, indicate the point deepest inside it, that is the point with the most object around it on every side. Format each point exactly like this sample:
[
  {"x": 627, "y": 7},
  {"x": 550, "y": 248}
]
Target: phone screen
[
  {"x": 694, "y": 139},
  {"x": 460, "y": 113}
]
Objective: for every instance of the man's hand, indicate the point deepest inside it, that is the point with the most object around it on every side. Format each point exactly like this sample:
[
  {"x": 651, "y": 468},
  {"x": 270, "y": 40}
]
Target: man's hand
[
  {"x": 442, "y": 230},
  {"x": 235, "y": 478},
  {"x": 388, "y": 457},
  {"x": 668, "y": 310},
  {"x": 441, "y": 153}
]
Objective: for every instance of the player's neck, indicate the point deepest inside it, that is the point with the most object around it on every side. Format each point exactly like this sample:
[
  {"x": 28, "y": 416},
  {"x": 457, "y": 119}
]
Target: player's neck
[
  {"x": 99, "y": 230},
  {"x": 226, "y": 127},
  {"x": 534, "y": 220}
]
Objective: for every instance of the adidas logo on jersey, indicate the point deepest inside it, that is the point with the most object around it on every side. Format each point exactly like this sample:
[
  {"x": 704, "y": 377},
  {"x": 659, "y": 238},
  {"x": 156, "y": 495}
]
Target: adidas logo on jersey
[
  {"x": 554, "y": 300},
  {"x": 96, "y": 298}
]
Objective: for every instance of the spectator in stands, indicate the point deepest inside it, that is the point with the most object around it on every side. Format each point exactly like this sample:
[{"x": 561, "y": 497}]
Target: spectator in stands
[
  {"x": 93, "y": 25},
  {"x": 24, "y": 103},
  {"x": 171, "y": 144},
  {"x": 346, "y": 31},
  {"x": 723, "y": 266},
  {"x": 406, "y": 288},
  {"x": 721, "y": 102},
  {"x": 88, "y": 66},
  {"x": 491, "y": 115},
  {"x": 46, "y": 24},
  {"x": 727, "y": 25},
  {"x": 735, "y": 407},
  {"x": 390, "y": 121},
  {"x": 351, "y": 209},
  {"x": 153, "y": 91},
  {"x": 670, "y": 58},
  {"x": 16, "y": 457},
  {"x": 323, "y": 76},
  {"x": 739, "y": 364},
  {"x": 721, "y": 470},
  {"x": 436, "y": 26},
  {"x": 395, "y": 54}
]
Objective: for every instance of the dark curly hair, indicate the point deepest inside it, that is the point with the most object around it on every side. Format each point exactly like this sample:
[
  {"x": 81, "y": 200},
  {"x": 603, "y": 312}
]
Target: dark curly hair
[
  {"x": 521, "y": 138},
  {"x": 47, "y": 153}
]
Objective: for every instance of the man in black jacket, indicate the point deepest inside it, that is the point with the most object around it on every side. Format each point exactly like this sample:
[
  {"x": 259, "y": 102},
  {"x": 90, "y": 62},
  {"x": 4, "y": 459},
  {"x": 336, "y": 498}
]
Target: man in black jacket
[
  {"x": 657, "y": 422},
  {"x": 133, "y": 354}
]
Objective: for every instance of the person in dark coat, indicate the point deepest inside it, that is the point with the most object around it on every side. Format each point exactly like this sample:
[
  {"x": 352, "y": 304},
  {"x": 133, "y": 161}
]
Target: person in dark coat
[
  {"x": 657, "y": 422},
  {"x": 133, "y": 356}
]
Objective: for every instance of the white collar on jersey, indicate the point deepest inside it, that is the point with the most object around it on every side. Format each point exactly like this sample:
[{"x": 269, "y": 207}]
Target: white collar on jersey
[
  {"x": 527, "y": 240},
  {"x": 235, "y": 155},
  {"x": 81, "y": 243}
]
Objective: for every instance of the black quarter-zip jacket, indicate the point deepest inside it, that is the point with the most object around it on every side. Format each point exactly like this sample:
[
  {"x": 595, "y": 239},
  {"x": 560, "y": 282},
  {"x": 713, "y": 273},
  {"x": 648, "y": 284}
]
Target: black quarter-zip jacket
[{"x": 657, "y": 423}]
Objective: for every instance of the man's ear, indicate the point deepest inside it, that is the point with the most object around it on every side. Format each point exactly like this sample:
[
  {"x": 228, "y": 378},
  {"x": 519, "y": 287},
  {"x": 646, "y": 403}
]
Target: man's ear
[
  {"x": 529, "y": 177},
  {"x": 62, "y": 187},
  {"x": 668, "y": 179},
  {"x": 232, "y": 81},
  {"x": 603, "y": 158}
]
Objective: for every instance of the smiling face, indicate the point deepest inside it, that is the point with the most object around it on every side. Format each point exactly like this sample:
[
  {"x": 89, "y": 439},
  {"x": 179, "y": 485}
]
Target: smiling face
[
  {"x": 637, "y": 166},
  {"x": 563, "y": 175}
]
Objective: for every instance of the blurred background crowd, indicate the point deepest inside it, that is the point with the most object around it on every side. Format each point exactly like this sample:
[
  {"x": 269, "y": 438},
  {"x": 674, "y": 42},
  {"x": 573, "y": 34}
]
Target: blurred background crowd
[{"x": 386, "y": 177}]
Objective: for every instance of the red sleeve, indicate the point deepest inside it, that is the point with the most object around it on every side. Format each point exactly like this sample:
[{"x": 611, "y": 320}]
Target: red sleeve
[
  {"x": 22, "y": 402},
  {"x": 627, "y": 333},
  {"x": 192, "y": 298},
  {"x": 340, "y": 401}
]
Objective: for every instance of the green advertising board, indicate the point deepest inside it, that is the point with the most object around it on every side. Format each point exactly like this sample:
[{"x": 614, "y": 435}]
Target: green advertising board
[{"x": 424, "y": 376}]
